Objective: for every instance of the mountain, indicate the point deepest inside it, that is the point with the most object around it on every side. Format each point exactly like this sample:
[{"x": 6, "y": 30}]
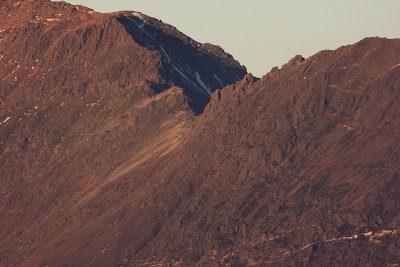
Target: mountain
[
  {"x": 112, "y": 152},
  {"x": 301, "y": 168},
  {"x": 106, "y": 53},
  {"x": 82, "y": 94}
]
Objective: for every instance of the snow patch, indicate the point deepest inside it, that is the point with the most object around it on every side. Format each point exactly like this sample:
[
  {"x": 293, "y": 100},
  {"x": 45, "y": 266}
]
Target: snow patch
[
  {"x": 203, "y": 87},
  {"x": 185, "y": 73},
  {"x": 392, "y": 68},
  {"x": 140, "y": 26},
  {"x": 202, "y": 84},
  {"x": 218, "y": 79},
  {"x": 7, "y": 119},
  {"x": 349, "y": 128},
  {"x": 162, "y": 49},
  {"x": 139, "y": 15},
  {"x": 371, "y": 237},
  {"x": 181, "y": 73}
]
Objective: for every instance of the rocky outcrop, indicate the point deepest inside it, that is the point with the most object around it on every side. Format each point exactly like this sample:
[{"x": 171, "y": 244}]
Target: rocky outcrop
[
  {"x": 106, "y": 54},
  {"x": 76, "y": 84},
  {"x": 103, "y": 161},
  {"x": 300, "y": 169}
]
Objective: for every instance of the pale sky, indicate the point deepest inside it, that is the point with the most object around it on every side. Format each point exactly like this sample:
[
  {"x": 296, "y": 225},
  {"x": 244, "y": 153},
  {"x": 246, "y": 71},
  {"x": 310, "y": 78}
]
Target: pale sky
[{"x": 262, "y": 34}]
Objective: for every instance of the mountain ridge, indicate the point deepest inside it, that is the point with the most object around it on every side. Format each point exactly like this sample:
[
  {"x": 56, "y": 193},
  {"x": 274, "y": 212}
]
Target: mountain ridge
[
  {"x": 297, "y": 168},
  {"x": 60, "y": 27}
]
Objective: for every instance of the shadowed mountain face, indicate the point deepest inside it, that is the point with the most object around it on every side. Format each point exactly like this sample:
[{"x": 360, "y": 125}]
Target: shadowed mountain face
[
  {"x": 199, "y": 68},
  {"x": 59, "y": 50},
  {"x": 103, "y": 162}
]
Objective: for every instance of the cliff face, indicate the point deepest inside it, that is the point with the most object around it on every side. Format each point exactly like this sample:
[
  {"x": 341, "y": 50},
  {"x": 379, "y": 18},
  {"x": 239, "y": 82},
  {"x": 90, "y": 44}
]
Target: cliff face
[
  {"x": 59, "y": 50},
  {"x": 84, "y": 99},
  {"x": 301, "y": 168},
  {"x": 104, "y": 162}
]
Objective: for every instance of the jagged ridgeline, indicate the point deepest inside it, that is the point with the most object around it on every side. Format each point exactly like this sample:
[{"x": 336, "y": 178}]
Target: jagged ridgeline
[
  {"x": 124, "y": 142},
  {"x": 107, "y": 53}
]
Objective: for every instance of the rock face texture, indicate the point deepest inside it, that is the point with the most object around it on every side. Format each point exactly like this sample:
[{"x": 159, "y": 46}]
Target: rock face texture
[
  {"x": 302, "y": 167},
  {"x": 84, "y": 98},
  {"x": 58, "y": 50},
  {"x": 109, "y": 158}
]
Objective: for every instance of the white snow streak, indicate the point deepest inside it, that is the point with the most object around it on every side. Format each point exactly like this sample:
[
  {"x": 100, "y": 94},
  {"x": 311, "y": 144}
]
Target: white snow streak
[
  {"x": 371, "y": 236},
  {"x": 203, "y": 87},
  {"x": 181, "y": 73},
  {"x": 163, "y": 50},
  {"x": 218, "y": 79},
  {"x": 5, "y": 120},
  {"x": 392, "y": 68},
  {"x": 140, "y": 26},
  {"x": 202, "y": 84}
]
